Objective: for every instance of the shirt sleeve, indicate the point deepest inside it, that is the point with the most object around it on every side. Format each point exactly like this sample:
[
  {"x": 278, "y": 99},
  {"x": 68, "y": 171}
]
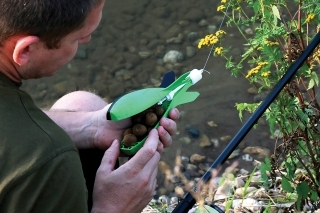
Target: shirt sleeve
[{"x": 57, "y": 186}]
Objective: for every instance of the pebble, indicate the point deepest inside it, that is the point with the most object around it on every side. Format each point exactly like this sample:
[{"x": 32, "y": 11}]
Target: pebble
[
  {"x": 203, "y": 23},
  {"x": 252, "y": 204},
  {"x": 225, "y": 138},
  {"x": 205, "y": 142},
  {"x": 179, "y": 191},
  {"x": 212, "y": 124},
  {"x": 234, "y": 154},
  {"x": 242, "y": 191},
  {"x": 249, "y": 31},
  {"x": 215, "y": 142},
  {"x": 196, "y": 158},
  {"x": 144, "y": 54},
  {"x": 194, "y": 132},
  {"x": 261, "y": 151},
  {"x": 172, "y": 57},
  {"x": 212, "y": 29},
  {"x": 193, "y": 36},
  {"x": 185, "y": 140},
  {"x": 191, "y": 51}
]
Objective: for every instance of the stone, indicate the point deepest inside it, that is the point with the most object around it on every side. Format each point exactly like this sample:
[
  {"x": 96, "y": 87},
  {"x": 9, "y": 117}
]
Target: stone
[
  {"x": 205, "y": 141},
  {"x": 179, "y": 191},
  {"x": 223, "y": 191},
  {"x": 261, "y": 151},
  {"x": 252, "y": 205},
  {"x": 203, "y": 23},
  {"x": 196, "y": 158},
  {"x": 172, "y": 57},
  {"x": 194, "y": 132},
  {"x": 191, "y": 51},
  {"x": 144, "y": 54},
  {"x": 195, "y": 14},
  {"x": 225, "y": 138},
  {"x": 173, "y": 31},
  {"x": 164, "y": 167},
  {"x": 242, "y": 192},
  {"x": 81, "y": 54}
]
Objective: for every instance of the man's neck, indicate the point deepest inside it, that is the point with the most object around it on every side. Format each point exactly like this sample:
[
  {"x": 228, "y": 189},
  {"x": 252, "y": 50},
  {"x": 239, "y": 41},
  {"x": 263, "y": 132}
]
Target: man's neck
[{"x": 8, "y": 68}]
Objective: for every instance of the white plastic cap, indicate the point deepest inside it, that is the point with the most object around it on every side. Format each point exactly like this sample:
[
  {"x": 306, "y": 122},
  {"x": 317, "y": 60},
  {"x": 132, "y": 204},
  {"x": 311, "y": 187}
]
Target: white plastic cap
[{"x": 195, "y": 75}]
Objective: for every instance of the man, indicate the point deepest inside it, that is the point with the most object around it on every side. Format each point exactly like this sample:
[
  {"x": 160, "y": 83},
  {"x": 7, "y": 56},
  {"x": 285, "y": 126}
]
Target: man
[{"x": 39, "y": 161}]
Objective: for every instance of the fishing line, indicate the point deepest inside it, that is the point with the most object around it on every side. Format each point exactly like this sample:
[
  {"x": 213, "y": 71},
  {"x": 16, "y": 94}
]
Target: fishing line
[{"x": 211, "y": 49}]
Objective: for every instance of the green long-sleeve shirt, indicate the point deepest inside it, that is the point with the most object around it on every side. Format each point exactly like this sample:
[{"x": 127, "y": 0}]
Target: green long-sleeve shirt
[{"x": 40, "y": 169}]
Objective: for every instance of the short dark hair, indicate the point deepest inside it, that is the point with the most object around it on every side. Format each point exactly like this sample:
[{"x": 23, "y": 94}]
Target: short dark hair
[{"x": 50, "y": 20}]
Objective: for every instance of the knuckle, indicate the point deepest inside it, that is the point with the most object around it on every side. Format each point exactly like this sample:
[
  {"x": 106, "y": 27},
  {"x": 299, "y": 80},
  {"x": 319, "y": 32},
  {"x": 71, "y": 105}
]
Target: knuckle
[
  {"x": 132, "y": 172},
  {"x": 149, "y": 152},
  {"x": 145, "y": 181}
]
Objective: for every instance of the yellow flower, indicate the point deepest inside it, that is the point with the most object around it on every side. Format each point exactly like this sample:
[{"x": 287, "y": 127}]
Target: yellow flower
[
  {"x": 262, "y": 63},
  {"x": 265, "y": 74},
  {"x": 221, "y": 8},
  {"x": 310, "y": 17},
  {"x": 256, "y": 69},
  {"x": 271, "y": 43},
  {"x": 218, "y": 50},
  {"x": 214, "y": 40},
  {"x": 223, "y": 1},
  {"x": 253, "y": 71},
  {"x": 208, "y": 41},
  {"x": 220, "y": 33}
]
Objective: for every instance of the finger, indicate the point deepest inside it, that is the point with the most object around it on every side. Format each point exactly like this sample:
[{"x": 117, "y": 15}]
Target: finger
[
  {"x": 151, "y": 169},
  {"x": 174, "y": 114},
  {"x": 110, "y": 157},
  {"x": 153, "y": 182},
  {"x": 160, "y": 147},
  {"x": 169, "y": 125},
  {"x": 143, "y": 156},
  {"x": 164, "y": 137}
]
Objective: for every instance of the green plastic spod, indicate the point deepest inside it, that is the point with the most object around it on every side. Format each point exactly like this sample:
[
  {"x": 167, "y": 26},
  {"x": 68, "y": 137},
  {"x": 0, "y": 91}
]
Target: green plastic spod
[{"x": 138, "y": 101}]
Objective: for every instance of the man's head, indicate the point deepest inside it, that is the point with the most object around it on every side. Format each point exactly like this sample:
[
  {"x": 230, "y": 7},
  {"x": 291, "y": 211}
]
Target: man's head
[
  {"x": 50, "y": 20},
  {"x": 43, "y": 35}
]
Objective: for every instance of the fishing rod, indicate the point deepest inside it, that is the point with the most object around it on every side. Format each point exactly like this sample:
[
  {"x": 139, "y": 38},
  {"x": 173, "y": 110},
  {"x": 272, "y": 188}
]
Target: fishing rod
[{"x": 188, "y": 201}]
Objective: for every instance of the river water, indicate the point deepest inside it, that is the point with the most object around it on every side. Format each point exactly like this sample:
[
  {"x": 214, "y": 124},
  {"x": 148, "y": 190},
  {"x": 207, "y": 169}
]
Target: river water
[{"x": 131, "y": 27}]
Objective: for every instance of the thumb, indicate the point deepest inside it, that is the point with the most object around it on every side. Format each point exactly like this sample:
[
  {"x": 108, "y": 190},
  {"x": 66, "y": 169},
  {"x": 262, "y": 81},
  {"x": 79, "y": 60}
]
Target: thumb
[{"x": 110, "y": 157}]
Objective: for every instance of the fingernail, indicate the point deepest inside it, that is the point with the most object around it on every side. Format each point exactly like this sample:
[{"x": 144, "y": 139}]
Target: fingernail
[
  {"x": 165, "y": 121},
  {"x": 114, "y": 142}
]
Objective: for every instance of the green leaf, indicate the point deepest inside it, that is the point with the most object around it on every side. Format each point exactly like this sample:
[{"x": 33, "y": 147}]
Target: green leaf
[
  {"x": 248, "y": 182},
  {"x": 276, "y": 12},
  {"x": 286, "y": 185},
  {"x": 290, "y": 168},
  {"x": 311, "y": 83},
  {"x": 303, "y": 189},
  {"x": 302, "y": 116},
  {"x": 314, "y": 195},
  {"x": 314, "y": 80},
  {"x": 264, "y": 168},
  {"x": 206, "y": 209},
  {"x": 256, "y": 7}
]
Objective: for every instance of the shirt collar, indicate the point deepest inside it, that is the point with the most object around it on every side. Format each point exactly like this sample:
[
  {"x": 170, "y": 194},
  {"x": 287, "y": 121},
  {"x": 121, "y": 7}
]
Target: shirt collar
[{"x": 5, "y": 81}]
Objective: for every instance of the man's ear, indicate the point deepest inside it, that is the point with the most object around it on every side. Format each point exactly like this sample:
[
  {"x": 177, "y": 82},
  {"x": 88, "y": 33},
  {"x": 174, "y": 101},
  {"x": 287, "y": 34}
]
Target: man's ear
[{"x": 21, "y": 52}]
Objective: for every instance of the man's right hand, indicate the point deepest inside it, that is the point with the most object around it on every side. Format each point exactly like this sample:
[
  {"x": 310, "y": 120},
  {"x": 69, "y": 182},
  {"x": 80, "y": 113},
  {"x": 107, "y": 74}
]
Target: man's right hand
[{"x": 130, "y": 187}]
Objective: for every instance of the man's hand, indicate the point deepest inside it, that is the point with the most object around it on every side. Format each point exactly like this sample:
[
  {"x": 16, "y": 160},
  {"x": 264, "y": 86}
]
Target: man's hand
[
  {"x": 83, "y": 116},
  {"x": 129, "y": 188},
  {"x": 107, "y": 131}
]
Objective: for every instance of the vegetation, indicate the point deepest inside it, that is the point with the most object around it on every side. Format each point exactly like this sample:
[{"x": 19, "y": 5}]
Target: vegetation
[{"x": 280, "y": 32}]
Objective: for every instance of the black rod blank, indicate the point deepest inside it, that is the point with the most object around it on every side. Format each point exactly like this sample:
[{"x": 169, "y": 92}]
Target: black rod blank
[{"x": 188, "y": 201}]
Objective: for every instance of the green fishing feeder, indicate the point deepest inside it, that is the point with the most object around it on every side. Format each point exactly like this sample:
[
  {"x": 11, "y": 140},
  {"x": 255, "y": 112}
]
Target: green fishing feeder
[{"x": 169, "y": 97}]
